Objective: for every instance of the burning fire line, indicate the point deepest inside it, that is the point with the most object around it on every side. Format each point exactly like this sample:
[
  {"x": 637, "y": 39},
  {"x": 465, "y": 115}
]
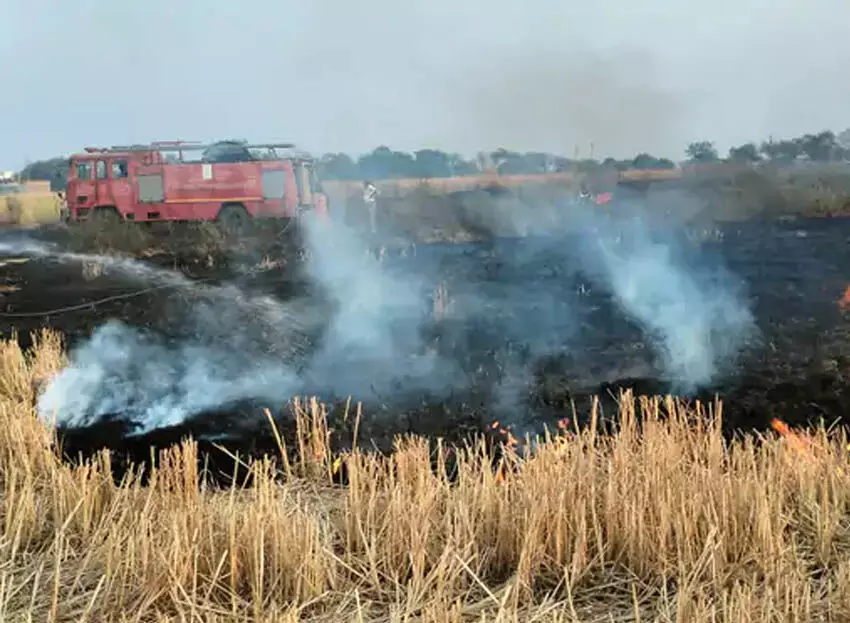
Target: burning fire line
[
  {"x": 511, "y": 444},
  {"x": 799, "y": 444},
  {"x": 844, "y": 301},
  {"x": 796, "y": 442}
]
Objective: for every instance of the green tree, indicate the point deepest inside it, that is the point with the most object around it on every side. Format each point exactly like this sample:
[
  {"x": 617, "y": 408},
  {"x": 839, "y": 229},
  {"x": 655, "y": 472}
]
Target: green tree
[
  {"x": 746, "y": 153},
  {"x": 648, "y": 161},
  {"x": 702, "y": 151},
  {"x": 509, "y": 162},
  {"x": 337, "y": 167},
  {"x": 781, "y": 151},
  {"x": 820, "y": 147},
  {"x": 53, "y": 170},
  {"x": 460, "y": 166},
  {"x": 619, "y": 165},
  {"x": 432, "y": 163},
  {"x": 385, "y": 163}
]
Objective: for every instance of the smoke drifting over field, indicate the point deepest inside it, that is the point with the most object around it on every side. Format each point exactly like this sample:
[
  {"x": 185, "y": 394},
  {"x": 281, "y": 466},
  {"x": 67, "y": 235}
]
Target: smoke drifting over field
[
  {"x": 374, "y": 338},
  {"x": 232, "y": 346},
  {"x": 236, "y": 347},
  {"x": 370, "y": 332},
  {"x": 693, "y": 312},
  {"x": 563, "y": 102},
  {"x": 697, "y": 316}
]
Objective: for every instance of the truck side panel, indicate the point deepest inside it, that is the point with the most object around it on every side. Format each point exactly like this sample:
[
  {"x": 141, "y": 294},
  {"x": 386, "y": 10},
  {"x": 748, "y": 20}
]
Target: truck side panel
[
  {"x": 197, "y": 191},
  {"x": 197, "y": 183},
  {"x": 145, "y": 188},
  {"x": 290, "y": 206},
  {"x": 274, "y": 184}
]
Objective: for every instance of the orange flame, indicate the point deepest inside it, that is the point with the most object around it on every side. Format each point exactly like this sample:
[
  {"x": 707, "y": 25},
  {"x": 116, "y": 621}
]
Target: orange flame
[
  {"x": 797, "y": 443},
  {"x": 510, "y": 442},
  {"x": 509, "y": 439},
  {"x": 844, "y": 301}
]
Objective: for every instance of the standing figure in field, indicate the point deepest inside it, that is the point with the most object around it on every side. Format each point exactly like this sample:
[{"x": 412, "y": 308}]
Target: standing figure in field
[
  {"x": 584, "y": 192},
  {"x": 370, "y": 200}
]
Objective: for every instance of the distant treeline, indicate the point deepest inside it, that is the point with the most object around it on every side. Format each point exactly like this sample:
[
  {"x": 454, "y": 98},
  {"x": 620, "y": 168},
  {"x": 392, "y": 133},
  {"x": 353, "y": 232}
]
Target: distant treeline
[{"x": 386, "y": 163}]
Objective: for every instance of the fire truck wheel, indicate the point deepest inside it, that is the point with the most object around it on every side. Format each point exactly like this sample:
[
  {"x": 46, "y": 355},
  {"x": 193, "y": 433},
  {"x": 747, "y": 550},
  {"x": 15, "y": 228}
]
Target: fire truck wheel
[
  {"x": 106, "y": 217},
  {"x": 233, "y": 218}
]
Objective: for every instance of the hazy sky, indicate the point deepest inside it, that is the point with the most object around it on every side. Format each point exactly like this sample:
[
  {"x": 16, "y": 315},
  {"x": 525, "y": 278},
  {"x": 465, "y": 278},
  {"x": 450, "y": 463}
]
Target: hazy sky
[{"x": 462, "y": 75}]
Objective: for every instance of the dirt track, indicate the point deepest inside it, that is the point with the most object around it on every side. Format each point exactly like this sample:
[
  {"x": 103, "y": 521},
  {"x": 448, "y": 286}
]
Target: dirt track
[{"x": 795, "y": 273}]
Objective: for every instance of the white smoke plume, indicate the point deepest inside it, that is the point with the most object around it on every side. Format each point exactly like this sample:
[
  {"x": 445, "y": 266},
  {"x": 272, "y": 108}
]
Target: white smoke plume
[
  {"x": 122, "y": 371},
  {"x": 697, "y": 316},
  {"x": 375, "y": 334},
  {"x": 238, "y": 347},
  {"x": 694, "y": 313},
  {"x": 127, "y": 267}
]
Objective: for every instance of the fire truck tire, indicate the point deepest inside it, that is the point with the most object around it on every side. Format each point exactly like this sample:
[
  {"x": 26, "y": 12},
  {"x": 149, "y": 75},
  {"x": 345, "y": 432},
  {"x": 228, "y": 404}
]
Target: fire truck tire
[
  {"x": 106, "y": 216},
  {"x": 233, "y": 217}
]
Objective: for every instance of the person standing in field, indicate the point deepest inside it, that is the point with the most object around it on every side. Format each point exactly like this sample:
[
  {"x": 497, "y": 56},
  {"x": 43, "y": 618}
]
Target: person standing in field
[
  {"x": 584, "y": 192},
  {"x": 370, "y": 200}
]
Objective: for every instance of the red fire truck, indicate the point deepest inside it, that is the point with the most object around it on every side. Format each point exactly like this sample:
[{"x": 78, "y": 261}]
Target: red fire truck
[{"x": 230, "y": 182}]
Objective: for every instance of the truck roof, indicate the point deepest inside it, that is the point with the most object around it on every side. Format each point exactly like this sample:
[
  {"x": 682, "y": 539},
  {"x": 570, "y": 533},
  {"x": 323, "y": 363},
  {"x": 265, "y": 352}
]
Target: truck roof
[{"x": 276, "y": 151}]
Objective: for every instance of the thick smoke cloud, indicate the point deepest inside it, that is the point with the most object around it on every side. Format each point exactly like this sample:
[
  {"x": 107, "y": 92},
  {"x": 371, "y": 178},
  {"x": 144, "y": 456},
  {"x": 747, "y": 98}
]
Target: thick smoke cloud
[
  {"x": 696, "y": 316},
  {"x": 613, "y": 103},
  {"x": 232, "y": 346},
  {"x": 375, "y": 336},
  {"x": 123, "y": 371},
  {"x": 371, "y": 331},
  {"x": 235, "y": 347}
]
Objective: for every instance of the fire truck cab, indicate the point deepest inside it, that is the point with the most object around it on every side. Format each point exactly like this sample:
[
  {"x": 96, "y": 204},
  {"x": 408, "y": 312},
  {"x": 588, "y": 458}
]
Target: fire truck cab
[{"x": 227, "y": 181}]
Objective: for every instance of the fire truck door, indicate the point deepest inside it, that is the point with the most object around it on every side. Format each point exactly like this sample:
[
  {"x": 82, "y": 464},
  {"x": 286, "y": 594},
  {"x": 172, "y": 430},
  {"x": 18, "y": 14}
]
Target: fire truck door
[
  {"x": 303, "y": 180},
  {"x": 81, "y": 193},
  {"x": 119, "y": 176},
  {"x": 103, "y": 196}
]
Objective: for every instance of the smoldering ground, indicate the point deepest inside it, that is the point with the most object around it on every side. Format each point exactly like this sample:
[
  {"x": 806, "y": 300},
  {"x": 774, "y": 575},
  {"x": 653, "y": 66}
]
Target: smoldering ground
[
  {"x": 358, "y": 330},
  {"x": 614, "y": 297},
  {"x": 627, "y": 272}
]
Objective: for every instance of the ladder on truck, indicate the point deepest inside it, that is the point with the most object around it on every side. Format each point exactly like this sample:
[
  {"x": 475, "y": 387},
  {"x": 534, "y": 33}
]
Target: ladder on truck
[{"x": 279, "y": 151}]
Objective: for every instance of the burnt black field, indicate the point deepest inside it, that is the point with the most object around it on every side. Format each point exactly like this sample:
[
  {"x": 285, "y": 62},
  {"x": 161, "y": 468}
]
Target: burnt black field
[{"x": 540, "y": 315}]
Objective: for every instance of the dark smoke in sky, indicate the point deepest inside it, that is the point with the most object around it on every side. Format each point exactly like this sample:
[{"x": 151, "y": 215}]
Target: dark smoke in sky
[{"x": 460, "y": 76}]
